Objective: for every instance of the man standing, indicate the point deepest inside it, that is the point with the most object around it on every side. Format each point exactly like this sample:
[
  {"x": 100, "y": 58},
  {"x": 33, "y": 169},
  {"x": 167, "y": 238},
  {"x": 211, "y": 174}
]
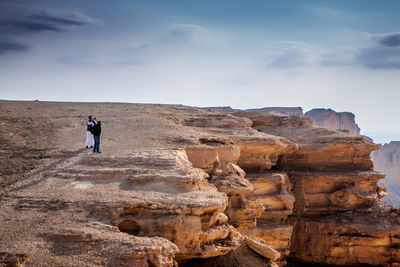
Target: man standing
[
  {"x": 96, "y": 130},
  {"x": 89, "y": 135}
]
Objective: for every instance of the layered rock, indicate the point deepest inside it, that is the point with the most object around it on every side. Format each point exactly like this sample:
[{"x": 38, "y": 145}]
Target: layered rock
[
  {"x": 273, "y": 191},
  {"x": 335, "y": 120},
  {"x": 364, "y": 236},
  {"x": 109, "y": 247},
  {"x": 212, "y": 152},
  {"x": 294, "y": 111},
  {"x": 225, "y": 110},
  {"x": 222, "y": 133},
  {"x": 320, "y": 149},
  {"x": 153, "y": 202},
  {"x": 241, "y": 211},
  {"x": 331, "y": 173},
  {"x": 244, "y": 188},
  {"x": 387, "y": 160},
  {"x": 171, "y": 199},
  {"x": 321, "y": 193},
  {"x": 258, "y": 152}
]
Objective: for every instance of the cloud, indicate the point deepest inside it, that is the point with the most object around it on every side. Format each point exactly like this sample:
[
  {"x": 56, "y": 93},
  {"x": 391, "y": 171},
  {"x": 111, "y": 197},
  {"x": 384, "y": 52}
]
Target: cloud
[
  {"x": 77, "y": 60},
  {"x": 185, "y": 30},
  {"x": 389, "y": 39},
  {"x": 379, "y": 57},
  {"x": 19, "y": 22},
  {"x": 181, "y": 33},
  {"x": 131, "y": 62},
  {"x": 384, "y": 53},
  {"x": 72, "y": 19},
  {"x": 9, "y": 46},
  {"x": 288, "y": 54},
  {"x": 289, "y": 59},
  {"x": 45, "y": 21}
]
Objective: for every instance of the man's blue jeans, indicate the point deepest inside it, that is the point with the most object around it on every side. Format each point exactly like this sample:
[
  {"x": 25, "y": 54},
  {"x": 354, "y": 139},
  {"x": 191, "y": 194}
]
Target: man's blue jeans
[{"x": 96, "y": 147}]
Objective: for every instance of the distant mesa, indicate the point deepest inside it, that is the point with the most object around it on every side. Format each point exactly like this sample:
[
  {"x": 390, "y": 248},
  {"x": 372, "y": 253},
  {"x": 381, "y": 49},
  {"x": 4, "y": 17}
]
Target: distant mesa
[
  {"x": 335, "y": 120},
  {"x": 226, "y": 109},
  {"x": 293, "y": 111}
]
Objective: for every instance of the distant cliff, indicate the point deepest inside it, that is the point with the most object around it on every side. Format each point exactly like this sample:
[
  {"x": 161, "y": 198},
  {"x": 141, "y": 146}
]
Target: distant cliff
[
  {"x": 387, "y": 160},
  {"x": 335, "y": 120},
  {"x": 293, "y": 111}
]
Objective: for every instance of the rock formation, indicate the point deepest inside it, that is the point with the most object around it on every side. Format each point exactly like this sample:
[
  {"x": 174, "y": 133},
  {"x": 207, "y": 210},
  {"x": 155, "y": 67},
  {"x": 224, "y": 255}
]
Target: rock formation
[
  {"x": 332, "y": 176},
  {"x": 387, "y": 160},
  {"x": 294, "y": 111},
  {"x": 335, "y": 120},
  {"x": 185, "y": 186}
]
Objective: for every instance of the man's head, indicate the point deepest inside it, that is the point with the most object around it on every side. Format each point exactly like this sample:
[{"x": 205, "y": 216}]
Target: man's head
[
  {"x": 90, "y": 118},
  {"x": 99, "y": 122}
]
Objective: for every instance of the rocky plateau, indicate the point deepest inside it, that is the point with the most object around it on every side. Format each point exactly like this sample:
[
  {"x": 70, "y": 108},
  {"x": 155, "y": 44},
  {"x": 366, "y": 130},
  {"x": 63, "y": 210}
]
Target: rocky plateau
[{"x": 185, "y": 186}]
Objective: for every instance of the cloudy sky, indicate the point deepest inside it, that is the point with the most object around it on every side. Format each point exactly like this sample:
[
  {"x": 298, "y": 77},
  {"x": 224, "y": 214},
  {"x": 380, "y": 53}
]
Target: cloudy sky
[{"x": 343, "y": 55}]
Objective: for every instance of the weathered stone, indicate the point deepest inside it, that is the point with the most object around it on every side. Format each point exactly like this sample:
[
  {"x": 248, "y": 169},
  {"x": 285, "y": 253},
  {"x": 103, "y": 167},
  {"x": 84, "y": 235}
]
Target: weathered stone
[
  {"x": 212, "y": 152},
  {"x": 275, "y": 235},
  {"x": 230, "y": 179},
  {"x": 294, "y": 111},
  {"x": 367, "y": 236},
  {"x": 136, "y": 204},
  {"x": 112, "y": 247},
  {"x": 262, "y": 152},
  {"x": 335, "y": 120},
  {"x": 273, "y": 190},
  {"x": 320, "y": 149},
  {"x": 242, "y": 256},
  {"x": 212, "y": 119},
  {"x": 259, "y": 246},
  {"x": 13, "y": 259},
  {"x": 320, "y": 193}
]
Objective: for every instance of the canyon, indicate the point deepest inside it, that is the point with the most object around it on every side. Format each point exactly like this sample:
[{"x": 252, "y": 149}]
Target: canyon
[{"x": 186, "y": 186}]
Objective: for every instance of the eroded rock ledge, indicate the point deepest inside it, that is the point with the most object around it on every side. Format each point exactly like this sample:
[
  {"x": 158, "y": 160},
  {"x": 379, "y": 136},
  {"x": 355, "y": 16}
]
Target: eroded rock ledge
[{"x": 248, "y": 187}]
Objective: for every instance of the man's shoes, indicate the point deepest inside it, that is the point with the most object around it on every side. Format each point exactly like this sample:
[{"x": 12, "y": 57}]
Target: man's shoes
[{"x": 99, "y": 152}]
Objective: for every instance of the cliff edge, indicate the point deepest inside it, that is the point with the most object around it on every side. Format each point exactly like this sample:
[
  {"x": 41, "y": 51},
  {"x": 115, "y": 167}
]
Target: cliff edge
[{"x": 185, "y": 186}]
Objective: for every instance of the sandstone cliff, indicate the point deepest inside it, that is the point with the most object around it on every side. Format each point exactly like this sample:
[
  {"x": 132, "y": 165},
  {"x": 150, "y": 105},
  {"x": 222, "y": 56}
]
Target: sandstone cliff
[
  {"x": 185, "y": 186},
  {"x": 387, "y": 160},
  {"x": 335, "y": 120},
  {"x": 296, "y": 111},
  {"x": 335, "y": 190}
]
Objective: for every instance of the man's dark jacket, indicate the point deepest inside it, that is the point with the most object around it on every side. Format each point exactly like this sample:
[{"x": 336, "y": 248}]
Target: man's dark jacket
[{"x": 96, "y": 130}]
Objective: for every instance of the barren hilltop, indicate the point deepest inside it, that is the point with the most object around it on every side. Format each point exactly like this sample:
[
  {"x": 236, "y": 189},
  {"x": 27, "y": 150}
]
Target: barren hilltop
[{"x": 178, "y": 185}]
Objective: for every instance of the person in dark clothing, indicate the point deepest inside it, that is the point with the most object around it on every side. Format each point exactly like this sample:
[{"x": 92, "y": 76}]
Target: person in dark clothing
[{"x": 96, "y": 131}]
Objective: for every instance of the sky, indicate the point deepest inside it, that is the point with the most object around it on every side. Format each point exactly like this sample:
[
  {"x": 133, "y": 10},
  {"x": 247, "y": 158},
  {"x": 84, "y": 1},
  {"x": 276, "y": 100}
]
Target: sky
[{"x": 343, "y": 55}]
